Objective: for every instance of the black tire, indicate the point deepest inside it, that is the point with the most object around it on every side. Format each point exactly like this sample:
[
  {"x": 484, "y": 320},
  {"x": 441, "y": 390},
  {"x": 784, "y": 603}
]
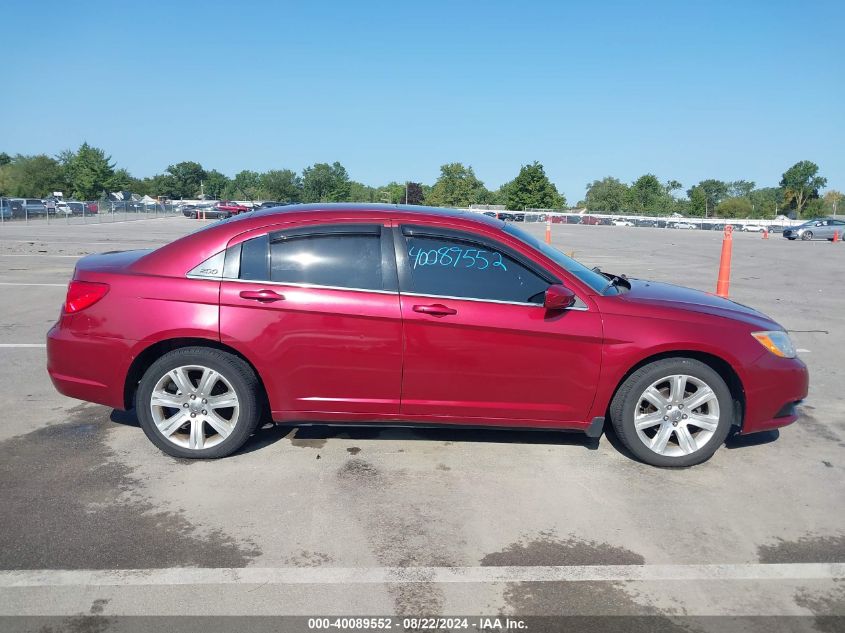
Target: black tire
[
  {"x": 807, "y": 236},
  {"x": 237, "y": 372},
  {"x": 627, "y": 398}
]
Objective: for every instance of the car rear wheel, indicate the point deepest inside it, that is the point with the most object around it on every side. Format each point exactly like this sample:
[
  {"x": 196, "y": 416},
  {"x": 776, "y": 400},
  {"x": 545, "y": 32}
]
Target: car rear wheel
[
  {"x": 807, "y": 235},
  {"x": 199, "y": 403},
  {"x": 673, "y": 412}
]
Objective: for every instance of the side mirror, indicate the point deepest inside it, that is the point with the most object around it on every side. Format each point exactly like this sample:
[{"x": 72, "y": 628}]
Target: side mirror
[{"x": 558, "y": 297}]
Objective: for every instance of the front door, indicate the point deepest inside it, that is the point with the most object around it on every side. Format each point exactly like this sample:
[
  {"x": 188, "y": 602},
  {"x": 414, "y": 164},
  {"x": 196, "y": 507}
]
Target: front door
[{"x": 479, "y": 345}]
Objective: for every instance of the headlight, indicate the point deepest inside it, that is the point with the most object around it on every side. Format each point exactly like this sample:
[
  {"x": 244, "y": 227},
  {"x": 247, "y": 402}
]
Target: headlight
[{"x": 777, "y": 342}]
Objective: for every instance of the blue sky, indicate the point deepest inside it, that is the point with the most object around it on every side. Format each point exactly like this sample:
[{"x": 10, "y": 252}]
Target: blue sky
[{"x": 685, "y": 90}]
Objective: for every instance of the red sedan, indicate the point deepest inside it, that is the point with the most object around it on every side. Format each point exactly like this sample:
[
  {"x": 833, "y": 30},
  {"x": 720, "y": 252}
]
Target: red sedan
[
  {"x": 368, "y": 313},
  {"x": 232, "y": 208}
]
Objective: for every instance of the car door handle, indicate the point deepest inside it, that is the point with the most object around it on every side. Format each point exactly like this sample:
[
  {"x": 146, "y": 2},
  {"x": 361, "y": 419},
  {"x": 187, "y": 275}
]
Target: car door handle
[
  {"x": 264, "y": 296},
  {"x": 438, "y": 309}
]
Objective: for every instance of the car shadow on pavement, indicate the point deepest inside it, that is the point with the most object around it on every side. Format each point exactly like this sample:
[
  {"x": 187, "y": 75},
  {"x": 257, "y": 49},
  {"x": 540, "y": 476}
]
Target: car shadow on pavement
[
  {"x": 755, "y": 439},
  {"x": 316, "y": 435},
  {"x": 127, "y": 418}
]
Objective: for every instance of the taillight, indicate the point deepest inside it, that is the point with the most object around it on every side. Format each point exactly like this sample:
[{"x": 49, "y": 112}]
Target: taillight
[{"x": 83, "y": 294}]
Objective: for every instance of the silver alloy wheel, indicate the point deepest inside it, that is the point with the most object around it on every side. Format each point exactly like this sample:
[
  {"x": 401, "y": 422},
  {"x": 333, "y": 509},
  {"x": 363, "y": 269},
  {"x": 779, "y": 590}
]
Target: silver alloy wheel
[
  {"x": 677, "y": 415},
  {"x": 194, "y": 407}
]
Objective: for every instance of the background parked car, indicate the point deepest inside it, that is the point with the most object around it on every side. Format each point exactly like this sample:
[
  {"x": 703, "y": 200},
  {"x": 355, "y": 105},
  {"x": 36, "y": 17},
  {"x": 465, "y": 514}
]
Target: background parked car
[
  {"x": 648, "y": 223},
  {"x": 622, "y": 222},
  {"x": 753, "y": 228},
  {"x": 207, "y": 211},
  {"x": 684, "y": 225},
  {"x": 5, "y": 209},
  {"x": 818, "y": 229},
  {"x": 232, "y": 207},
  {"x": 35, "y": 206},
  {"x": 128, "y": 206}
]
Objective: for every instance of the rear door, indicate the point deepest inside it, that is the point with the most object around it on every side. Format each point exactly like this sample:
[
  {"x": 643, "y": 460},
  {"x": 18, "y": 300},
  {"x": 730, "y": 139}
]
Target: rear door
[
  {"x": 317, "y": 310},
  {"x": 479, "y": 345}
]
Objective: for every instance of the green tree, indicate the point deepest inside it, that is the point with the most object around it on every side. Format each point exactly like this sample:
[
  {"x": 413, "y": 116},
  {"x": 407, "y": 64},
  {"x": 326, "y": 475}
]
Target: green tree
[
  {"x": 121, "y": 180},
  {"x": 5, "y": 159},
  {"x": 532, "y": 189},
  {"x": 32, "y": 176},
  {"x": 714, "y": 191},
  {"x": 457, "y": 186},
  {"x": 833, "y": 201},
  {"x": 281, "y": 185},
  {"x": 734, "y": 208},
  {"x": 158, "y": 185},
  {"x": 646, "y": 194},
  {"x": 801, "y": 183},
  {"x": 766, "y": 202},
  {"x": 697, "y": 202},
  {"x": 90, "y": 172},
  {"x": 814, "y": 208},
  {"x": 359, "y": 192},
  {"x": 246, "y": 185},
  {"x": 391, "y": 193},
  {"x": 185, "y": 179},
  {"x": 325, "y": 183},
  {"x": 607, "y": 195},
  {"x": 215, "y": 184},
  {"x": 740, "y": 188}
]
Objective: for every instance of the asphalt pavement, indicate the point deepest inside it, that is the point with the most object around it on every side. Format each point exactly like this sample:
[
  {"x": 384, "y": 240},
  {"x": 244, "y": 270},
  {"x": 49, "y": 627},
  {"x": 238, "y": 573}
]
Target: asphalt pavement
[{"x": 97, "y": 524}]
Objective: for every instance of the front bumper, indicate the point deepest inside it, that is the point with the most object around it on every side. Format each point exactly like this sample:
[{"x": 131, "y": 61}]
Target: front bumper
[{"x": 773, "y": 388}]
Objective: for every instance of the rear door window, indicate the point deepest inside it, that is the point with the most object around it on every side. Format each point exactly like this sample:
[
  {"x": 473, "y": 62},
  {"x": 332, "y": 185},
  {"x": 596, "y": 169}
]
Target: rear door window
[{"x": 336, "y": 256}]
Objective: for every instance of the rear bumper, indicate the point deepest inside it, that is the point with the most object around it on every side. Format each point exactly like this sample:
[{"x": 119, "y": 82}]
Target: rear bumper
[
  {"x": 773, "y": 389},
  {"x": 88, "y": 368}
]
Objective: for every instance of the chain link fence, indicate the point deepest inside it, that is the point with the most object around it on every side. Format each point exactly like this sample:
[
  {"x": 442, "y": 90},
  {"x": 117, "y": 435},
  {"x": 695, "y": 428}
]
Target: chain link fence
[{"x": 32, "y": 211}]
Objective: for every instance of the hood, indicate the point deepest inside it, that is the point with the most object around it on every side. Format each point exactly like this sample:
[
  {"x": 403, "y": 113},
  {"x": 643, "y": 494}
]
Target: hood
[{"x": 679, "y": 297}]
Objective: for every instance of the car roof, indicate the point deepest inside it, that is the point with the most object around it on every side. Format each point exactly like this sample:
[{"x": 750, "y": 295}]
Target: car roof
[
  {"x": 213, "y": 238},
  {"x": 392, "y": 210}
]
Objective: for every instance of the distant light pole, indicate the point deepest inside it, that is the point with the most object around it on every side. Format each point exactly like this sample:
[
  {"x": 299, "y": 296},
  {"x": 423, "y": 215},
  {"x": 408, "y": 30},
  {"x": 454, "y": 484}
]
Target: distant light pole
[{"x": 406, "y": 198}]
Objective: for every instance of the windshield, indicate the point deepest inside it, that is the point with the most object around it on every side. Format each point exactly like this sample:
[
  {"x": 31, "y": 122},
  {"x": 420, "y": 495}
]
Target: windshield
[{"x": 594, "y": 280}]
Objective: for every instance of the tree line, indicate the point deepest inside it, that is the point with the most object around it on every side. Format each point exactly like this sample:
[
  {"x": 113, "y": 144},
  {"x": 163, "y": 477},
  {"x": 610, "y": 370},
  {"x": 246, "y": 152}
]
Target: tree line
[{"x": 88, "y": 174}]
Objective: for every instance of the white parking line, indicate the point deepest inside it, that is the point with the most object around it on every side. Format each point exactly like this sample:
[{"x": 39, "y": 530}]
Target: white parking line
[
  {"x": 37, "y": 255},
  {"x": 390, "y": 575},
  {"x": 23, "y": 344},
  {"x": 14, "y": 283}
]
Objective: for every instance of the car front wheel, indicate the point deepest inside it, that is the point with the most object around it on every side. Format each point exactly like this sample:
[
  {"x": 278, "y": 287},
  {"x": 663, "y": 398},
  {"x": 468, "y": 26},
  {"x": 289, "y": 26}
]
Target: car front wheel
[
  {"x": 199, "y": 403},
  {"x": 673, "y": 412},
  {"x": 807, "y": 235}
]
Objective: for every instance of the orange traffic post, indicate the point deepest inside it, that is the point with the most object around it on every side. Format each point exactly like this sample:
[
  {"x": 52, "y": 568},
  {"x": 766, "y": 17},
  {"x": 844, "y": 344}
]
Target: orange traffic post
[
  {"x": 549, "y": 230},
  {"x": 723, "y": 283},
  {"x": 765, "y": 234},
  {"x": 835, "y": 236}
]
